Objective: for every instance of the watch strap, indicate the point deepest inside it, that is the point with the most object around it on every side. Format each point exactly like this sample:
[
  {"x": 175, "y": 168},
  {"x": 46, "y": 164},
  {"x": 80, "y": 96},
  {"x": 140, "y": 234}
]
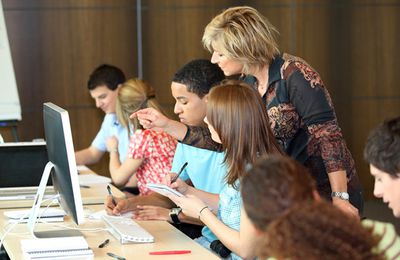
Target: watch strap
[
  {"x": 340, "y": 194},
  {"x": 174, "y": 215}
]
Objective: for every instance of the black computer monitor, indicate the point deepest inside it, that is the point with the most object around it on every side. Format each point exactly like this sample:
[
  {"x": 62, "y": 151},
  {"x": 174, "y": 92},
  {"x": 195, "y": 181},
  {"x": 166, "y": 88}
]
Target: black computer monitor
[
  {"x": 22, "y": 164},
  {"x": 62, "y": 166}
]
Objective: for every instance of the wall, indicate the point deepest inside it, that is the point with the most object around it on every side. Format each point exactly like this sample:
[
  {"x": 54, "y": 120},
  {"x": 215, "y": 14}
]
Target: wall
[{"x": 55, "y": 45}]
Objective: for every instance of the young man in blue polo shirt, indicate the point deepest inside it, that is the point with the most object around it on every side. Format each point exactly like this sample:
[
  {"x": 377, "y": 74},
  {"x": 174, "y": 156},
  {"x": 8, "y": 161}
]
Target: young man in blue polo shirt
[{"x": 103, "y": 85}]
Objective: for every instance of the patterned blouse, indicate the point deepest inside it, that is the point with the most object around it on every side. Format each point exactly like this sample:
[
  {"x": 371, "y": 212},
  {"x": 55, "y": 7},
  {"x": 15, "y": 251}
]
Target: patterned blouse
[
  {"x": 303, "y": 120},
  {"x": 157, "y": 149}
]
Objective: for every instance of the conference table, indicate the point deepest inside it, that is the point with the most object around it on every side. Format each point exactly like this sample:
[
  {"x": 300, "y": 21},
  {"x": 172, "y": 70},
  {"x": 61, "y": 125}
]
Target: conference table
[{"x": 166, "y": 236}]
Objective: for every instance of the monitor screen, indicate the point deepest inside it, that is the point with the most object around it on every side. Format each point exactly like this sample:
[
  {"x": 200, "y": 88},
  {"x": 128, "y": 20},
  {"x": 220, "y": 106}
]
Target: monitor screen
[
  {"x": 22, "y": 164},
  {"x": 61, "y": 154}
]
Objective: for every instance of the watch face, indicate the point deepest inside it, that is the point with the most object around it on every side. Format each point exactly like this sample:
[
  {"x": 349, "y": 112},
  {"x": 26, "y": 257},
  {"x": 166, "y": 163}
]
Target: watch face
[
  {"x": 174, "y": 215},
  {"x": 344, "y": 195},
  {"x": 176, "y": 211}
]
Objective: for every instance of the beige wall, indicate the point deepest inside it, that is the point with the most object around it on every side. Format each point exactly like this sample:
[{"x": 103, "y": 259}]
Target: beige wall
[{"x": 56, "y": 44}]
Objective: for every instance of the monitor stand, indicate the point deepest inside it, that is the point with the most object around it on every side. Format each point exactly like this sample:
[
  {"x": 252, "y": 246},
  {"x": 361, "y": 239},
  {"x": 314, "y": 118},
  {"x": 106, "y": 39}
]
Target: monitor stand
[{"x": 36, "y": 206}]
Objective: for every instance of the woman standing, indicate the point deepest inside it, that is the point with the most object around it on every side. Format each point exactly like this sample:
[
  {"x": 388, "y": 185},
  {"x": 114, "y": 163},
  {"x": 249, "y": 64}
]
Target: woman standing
[{"x": 301, "y": 112}]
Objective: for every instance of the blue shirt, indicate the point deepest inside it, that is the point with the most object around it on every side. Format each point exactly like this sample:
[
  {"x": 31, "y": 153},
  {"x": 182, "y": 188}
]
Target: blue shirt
[
  {"x": 206, "y": 170},
  {"x": 111, "y": 127},
  {"x": 230, "y": 203}
]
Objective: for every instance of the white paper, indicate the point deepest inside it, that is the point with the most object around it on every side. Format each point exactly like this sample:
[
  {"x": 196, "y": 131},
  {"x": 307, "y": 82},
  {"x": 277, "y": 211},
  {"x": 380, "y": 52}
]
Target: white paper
[
  {"x": 92, "y": 178},
  {"x": 55, "y": 243},
  {"x": 163, "y": 189}
]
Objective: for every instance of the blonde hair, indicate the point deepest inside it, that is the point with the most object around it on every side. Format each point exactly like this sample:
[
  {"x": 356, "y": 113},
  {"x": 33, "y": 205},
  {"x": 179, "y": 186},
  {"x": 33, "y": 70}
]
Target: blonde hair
[
  {"x": 243, "y": 34},
  {"x": 134, "y": 94}
]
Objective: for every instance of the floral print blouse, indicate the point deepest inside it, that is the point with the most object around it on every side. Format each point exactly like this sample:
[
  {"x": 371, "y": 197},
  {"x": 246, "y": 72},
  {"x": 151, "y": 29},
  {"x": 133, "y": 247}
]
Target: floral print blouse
[{"x": 303, "y": 120}]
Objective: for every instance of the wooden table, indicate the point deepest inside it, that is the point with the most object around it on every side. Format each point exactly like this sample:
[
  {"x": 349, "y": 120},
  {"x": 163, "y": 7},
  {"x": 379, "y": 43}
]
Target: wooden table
[{"x": 166, "y": 237}]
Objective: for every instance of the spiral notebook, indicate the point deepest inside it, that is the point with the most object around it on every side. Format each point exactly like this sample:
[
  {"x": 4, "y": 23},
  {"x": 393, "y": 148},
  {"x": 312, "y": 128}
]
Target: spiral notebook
[{"x": 57, "y": 247}]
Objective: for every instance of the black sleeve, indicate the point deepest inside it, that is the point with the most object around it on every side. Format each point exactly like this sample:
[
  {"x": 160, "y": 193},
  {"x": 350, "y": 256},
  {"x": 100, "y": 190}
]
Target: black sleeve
[{"x": 200, "y": 137}]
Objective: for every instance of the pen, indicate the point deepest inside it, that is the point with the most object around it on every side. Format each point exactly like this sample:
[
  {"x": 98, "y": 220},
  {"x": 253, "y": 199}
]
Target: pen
[
  {"x": 109, "y": 192},
  {"x": 104, "y": 243},
  {"x": 179, "y": 173},
  {"x": 172, "y": 252},
  {"x": 116, "y": 256}
]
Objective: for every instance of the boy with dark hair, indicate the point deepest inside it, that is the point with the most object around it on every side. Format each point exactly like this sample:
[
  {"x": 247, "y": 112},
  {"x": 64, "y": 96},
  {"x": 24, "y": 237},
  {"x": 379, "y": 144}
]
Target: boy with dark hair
[
  {"x": 103, "y": 85},
  {"x": 382, "y": 152},
  {"x": 205, "y": 170},
  {"x": 276, "y": 184}
]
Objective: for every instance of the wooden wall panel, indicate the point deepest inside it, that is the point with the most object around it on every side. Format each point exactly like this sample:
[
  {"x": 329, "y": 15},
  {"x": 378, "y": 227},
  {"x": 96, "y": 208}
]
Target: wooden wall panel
[
  {"x": 172, "y": 32},
  {"x": 374, "y": 65},
  {"x": 55, "y": 45}
]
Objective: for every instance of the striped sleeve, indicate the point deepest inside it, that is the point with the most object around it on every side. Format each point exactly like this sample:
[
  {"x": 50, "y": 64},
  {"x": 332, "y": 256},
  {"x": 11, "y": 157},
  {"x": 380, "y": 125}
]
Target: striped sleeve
[{"x": 389, "y": 244}]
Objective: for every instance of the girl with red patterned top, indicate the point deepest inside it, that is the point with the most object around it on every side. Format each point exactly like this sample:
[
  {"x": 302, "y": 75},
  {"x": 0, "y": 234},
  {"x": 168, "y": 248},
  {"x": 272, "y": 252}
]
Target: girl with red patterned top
[{"x": 150, "y": 152}]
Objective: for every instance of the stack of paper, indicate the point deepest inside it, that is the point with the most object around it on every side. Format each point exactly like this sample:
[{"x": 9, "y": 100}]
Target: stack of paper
[{"x": 57, "y": 247}]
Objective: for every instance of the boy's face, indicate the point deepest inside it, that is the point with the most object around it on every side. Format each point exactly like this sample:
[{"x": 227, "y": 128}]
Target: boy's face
[
  {"x": 105, "y": 98},
  {"x": 387, "y": 188},
  {"x": 188, "y": 106}
]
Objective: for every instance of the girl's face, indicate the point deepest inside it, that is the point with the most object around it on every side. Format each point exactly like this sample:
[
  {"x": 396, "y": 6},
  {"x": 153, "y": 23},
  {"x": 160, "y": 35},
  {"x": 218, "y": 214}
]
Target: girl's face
[
  {"x": 228, "y": 66},
  {"x": 214, "y": 134}
]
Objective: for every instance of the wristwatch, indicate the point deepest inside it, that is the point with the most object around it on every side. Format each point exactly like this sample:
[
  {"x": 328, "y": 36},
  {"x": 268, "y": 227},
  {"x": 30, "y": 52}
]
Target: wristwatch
[
  {"x": 340, "y": 194},
  {"x": 174, "y": 215}
]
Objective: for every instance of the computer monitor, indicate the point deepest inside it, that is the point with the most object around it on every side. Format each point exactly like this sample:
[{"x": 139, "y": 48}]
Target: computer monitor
[
  {"x": 62, "y": 166},
  {"x": 22, "y": 164}
]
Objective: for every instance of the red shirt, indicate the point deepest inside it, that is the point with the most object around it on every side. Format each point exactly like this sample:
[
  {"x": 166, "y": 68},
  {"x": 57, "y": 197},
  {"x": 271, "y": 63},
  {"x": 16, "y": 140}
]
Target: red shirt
[{"x": 157, "y": 149}]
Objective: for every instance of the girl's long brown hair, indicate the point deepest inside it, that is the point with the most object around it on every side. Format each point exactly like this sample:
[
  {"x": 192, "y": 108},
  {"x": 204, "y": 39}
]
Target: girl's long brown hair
[{"x": 239, "y": 117}]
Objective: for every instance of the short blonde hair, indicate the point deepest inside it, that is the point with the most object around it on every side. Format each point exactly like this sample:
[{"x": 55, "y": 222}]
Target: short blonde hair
[
  {"x": 242, "y": 34},
  {"x": 134, "y": 94}
]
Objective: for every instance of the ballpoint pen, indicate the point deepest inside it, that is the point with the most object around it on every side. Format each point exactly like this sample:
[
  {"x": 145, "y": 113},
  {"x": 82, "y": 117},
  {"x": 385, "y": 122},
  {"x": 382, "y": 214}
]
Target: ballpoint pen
[
  {"x": 179, "y": 173},
  {"x": 104, "y": 243},
  {"x": 110, "y": 193},
  {"x": 116, "y": 256}
]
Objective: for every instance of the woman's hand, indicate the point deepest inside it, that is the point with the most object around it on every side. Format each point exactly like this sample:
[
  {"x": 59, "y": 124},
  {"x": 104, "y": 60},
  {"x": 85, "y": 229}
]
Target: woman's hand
[
  {"x": 191, "y": 205},
  {"x": 346, "y": 207},
  {"x": 150, "y": 118},
  {"x": 152, "y": 213}
]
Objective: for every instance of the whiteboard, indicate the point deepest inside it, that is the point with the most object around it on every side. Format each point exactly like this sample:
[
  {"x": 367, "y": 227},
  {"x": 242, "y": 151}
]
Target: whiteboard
[{"x": 10, "y": 108}]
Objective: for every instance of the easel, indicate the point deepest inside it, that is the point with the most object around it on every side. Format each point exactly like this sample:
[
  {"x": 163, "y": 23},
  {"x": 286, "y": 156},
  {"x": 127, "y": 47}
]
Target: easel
[{"x": 13, "y": 125}]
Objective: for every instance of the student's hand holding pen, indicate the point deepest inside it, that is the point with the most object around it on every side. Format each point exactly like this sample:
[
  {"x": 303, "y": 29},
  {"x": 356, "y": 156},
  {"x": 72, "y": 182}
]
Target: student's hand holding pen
[
  {"x": 178, "y": 185},
  {"x": 120, "y": 205}
]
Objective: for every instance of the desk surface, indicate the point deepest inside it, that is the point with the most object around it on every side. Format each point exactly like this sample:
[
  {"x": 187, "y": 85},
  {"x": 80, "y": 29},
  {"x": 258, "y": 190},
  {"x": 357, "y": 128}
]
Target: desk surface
[
  {"x": 93, "y": 194},
  {"x": 166, "y": 238}
]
